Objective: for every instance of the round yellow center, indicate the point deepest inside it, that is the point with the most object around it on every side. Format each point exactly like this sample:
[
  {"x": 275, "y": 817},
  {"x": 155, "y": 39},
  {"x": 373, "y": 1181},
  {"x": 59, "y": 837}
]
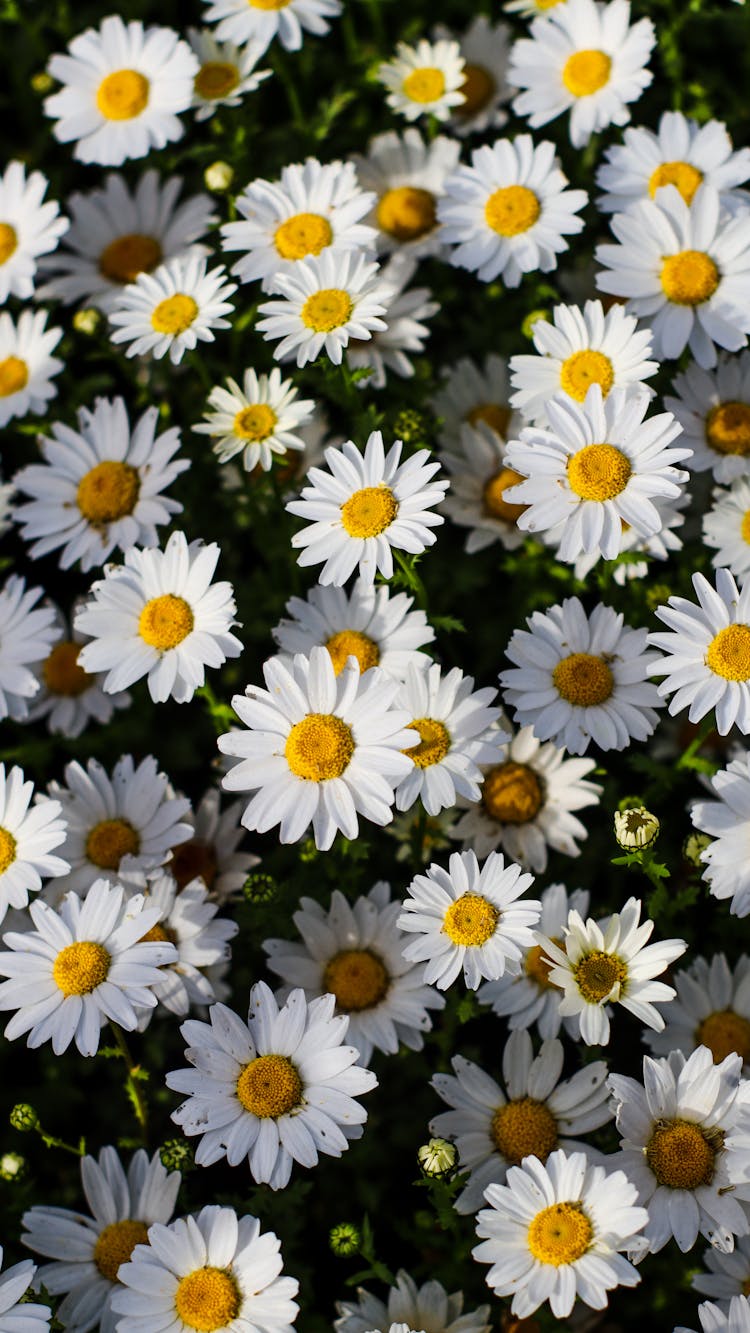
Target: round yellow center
[
  {"x": 579, "y": 371},
  {"x": 471, "y": 920},
  {"x": 352, "y": 643},
  {"x": 492, "y": 495},
  {"x": 512, "y": 210},
  {"x": 327, "y": 309},
  {"x": 683, "y": 175},
  {"x": 256, "y": 422},
  {"x": 478, "y": 87},
  {"x": 319, "y": 747},
  {"x": 407, "y": 212},
  {"x": 268, "y": 4},
  {"x": 681, "y": 1155},
  {"x": 304, "y": 234},
  {"x": 729, "y": 653},
  {"x": 725, "y": 1033},
  {"x": 728, "y": 428},
  {"x": 61, "y": 672},
  {"x": 585, "y": 72},
  {"x": 524, "y": 1128},
  {"x": 369, "y": 512},
  {"x": 108, "y": 492},
  {"x": 745, "y": 527},
  {"x": 7, "y": 850},
  {"x": 14, "y": 376},
  {"x": 193, "y": 860},
  {"x": 174, "y": 315},
  {"x": 512, "y": 793},
  {"x": 208, "y": 1299},
  {"x": 689, "y": 278},
  {"x": 598, "y": 472},
  {"x": 269, "y": 1086},
  {"x": 357, "y": 978},
  {"x": 434, "y": 742},
  {"x": 597, "y": 974},
  {"x": 424, "y": 85},
  {"x": 560, "y": 1234},
  {"x": 537, "y": 966},
  {"x": 115, "y": 1245},
  {"x": 165, "y": 621},
  {"x": 109, "y": 841},
  {"x": 81, "y": 967},
  {"x": 584, "y": 680},
  {"x": 123, "y": 259},
  {"x": 158, "y": 934},
  {"x": 215, "y": 79},
  {"x": 8, "y": 241},
  {"x": 123, "y": 95}
]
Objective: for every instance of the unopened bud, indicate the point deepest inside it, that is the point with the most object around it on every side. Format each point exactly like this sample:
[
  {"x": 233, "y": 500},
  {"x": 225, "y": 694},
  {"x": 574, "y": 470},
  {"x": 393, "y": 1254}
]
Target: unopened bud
[
  {"x": 87, "y": 321},
  {"x": 438, "y": 1157},
  {"x": 693, "y": 848},
  {"x": 344, "y": 1239},
  {"x": 259, "y": 888},
  {"x": 177, "y": 1155},
  {"x": 635, "y": 828},
  {"x": 218, "y": 177},
  {"x": 12, "y": 1166},
  {"x": 42, "y": 82},
  {"x": 527, "y": 327},
  {"x": 24, "y": 1117}
]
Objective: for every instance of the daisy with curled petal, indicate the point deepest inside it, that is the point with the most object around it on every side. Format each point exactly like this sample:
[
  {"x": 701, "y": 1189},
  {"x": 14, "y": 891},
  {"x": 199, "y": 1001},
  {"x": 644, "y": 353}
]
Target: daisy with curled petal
[
  {"x": 735, "y": 1318},
  {"x": 27, "y": 633},
  {"x": 407, "y": 177},
  {"x": 365, "y": 505},
  {"x": 428, "y": 1307},
  {"x": 227, "y": 72},
  {"x": 28, "y": 228},
  {"x": 211, "y": 852},
  {"x": 172, "y": 309},
  {"x": 484, "y": 47},
  {"x": 69, "y": 697},
  {"x": 187, "y": 919},
  {"x": 319, "y": 748},
  {"x": 712, "y": 1008},
  {"x": 728, "y": 1275},
  {"x": 726, "y": 529},
  {"x": 713, "y": 408},
  {"x": 276, "y": 1090},
  {"x": 258, "y": 420},
  {"x": 19, "y": 1315},
  {"x": 727, "y": 822},
  {"x": 26, "y": 364},
  {"x": 507, "y": 213},
  {"x": 325, "y": 300},
  {"x": 404, "y": 329},
  {"x": 424, "y": 80},
  {"x": 479, "y": 478},
  {"x": 471, "y": 395},
  {"x": 680, "y": 152},
  {"x": 27, "y": 837},
  {"x": 258, "y": 22},
  {"x": 88, "y": 1251},
  {"x": 469, "y": 919}
]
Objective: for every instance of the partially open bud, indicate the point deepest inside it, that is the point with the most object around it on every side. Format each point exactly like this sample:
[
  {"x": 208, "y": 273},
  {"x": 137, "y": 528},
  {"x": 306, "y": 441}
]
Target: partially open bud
[
  {"x": 438, "y": 1157},
  {"x": 635, "y": 828}
]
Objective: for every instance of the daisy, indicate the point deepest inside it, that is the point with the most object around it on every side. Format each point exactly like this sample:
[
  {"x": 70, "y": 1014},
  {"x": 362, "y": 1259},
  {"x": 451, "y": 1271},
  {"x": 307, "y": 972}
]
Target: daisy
[
  {"x": 727, "y": 822},
  {"x": 318, "y": 748},
  {"x": 508, "y": 212},
  {"x": 685, "y": 270},
  {"x": 584, "y": 58},
  {"x": 713, "y": 408},
  {"x": 355, "y": 953},
  {"x": 479, "y": 479},
  {"x": 469, "y": 919},
  {"x": 69, "y": 697},
  {"x": 726, "y": 529},
  {"x": 80, "y": 967},
  {"x": 89, "y": 1250},
  {"x": 99, "y": 488},
  {"x": 27, "y": 837},
  {"x": 680, "y": 152},
  {"x": 277, "y": 1090},
  {"x": 712, "y": 1008},
  {"x": 428, "y": 1307},
  {"x": 484, "y": 47},
  {"x": 578, "y": 678},
  {"x": 407, "y": 177},
  {"x": 734, "y": 1319},
  {"x": 187, "y": 919},
  {"x": 494, "y": 1127},
  {"x": 472, "y": 395},
  {"x": 227, "y": 72},
  {"x": 365, "y": 505},
  {"x": 424, "y": 80},
  {"x": 28, "y": 228},
  {"x": 258, "y": 420},
  {"x": 26, "y": 364},
  {"x": 728, "y": 1276},
  {"x": 657, "y": 546},
  {"x": 27, "y": 633},
  {"x": 172, "y": 309},
  {"x": 211, "y": 852},
  {"x": 326, "y": 300},
  {"x": 530, "y": 8},
  {"x": 19, "y": 1315},
  {"x": 685, "y": 1144},
  {"x": 405, "y": 330},
  {"x": 260, "y": 23},
  {"x": 160, "y": 615},
  {"x": 603, "y": 963}
]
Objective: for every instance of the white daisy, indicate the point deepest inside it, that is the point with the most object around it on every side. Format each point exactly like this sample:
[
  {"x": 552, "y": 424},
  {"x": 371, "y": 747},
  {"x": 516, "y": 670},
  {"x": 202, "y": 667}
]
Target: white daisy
[
  {"x": 28, "y": 228},
  {"x": 727, "y": 822},
  {"x": 19, "y": 1315},
  {"x": 479, "y": 478},
  {"x": 355, "y": 953},
  {"x": 259, "y": 22},
  {"x": 277, "y": 1090},
  {"x": 69, "y": 697},
  {"x": 226, "y": 74},
  {"x": 172, "y": 309},
  {"x": 160, "y": 615},
  {"x": 680, "y": 152},
  {"x": 364, "y": 505},
  {"x": 726, "y": 529},
  {"x": 507, "y": 213},
  {"x": 89, "y": 1250},
  {"x": 728, "y": 1276},
  {"x": 188, "y": 920},
  {"x": 472, "y": 395},
  {"x": 326, "y": 300},
  {"x": 27, "y": 633},
  {"x": 428, "y": 1307},
  {"x": 405, "y": 331},
  {"x": 734, "y": 1318},
  {"x": 424, "y": 80},
  {"x": 467, "y": 918},
  {"x": 211, "y": 852},
  {"x": 258, "y": 420},
  {"x": 578, "y": 678},
  {"x": 26, "y": 364},
  {"x": 713, "y": 408},
  {"x": 711, "y": 1008},
  {"x": 407, "y": 177},
  {"x": 318, "y": 748},
  {"x": 27, "y": 837},
  {"x": 584, "y": 58},
  {"x": 657, "y": 546},
  {"x": 484, "y": 47},
  {"x": 530, "y": 8}
]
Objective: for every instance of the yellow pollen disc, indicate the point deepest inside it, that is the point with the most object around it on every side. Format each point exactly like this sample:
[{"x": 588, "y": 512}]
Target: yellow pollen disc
[
  {"x": 537, "y": 966},
  {"x": 7, "y": 850},
  {"x": 560, "y": 1234},
  {"x": 256, "y": 422},
  {"x": 745, "y": 527},
  {"x": 109, "y": 841},
  {"x": 434, "y": 742},
  {"x": 683, "y": 175},
  {"x": 207, "y": 1299},
  {"x": 478, "y": 87},
  {"x": 369, "y": 512},
  {"x": 327, "y": 309},
  {"x": 268, "y": 4},
  {"x": 689, "y": 278},
  {"x": 61, "y": 672},
  {"x": 492, "y": 495},
  {"x": 115, "y": 1245},
  {"x": 579, "y": 371},
  {"x": 352, "y": 643},
  {"x": 583, "y": 680},
  {"x": 123, "y": 95},
  {"x": 108, "y": 492},
  {"x": 495, "y": 415},
  {"x": 122, "y": 260},
  {"x": 319, "y": 748},
  {"x": 8, "y": 241},
  {"x": 512, "y": 210},
  {"x": 471, "y": 920},
  {"x": 681, "y": 1154},
  {"x": 158, "y": 935},
  {"x": 725, "y": 1033},
  {"x": 597, "y": 974},
  {"x": 424, "y": 85},
  {"x": 547, "y": 4},
  {"x": 269, "y": 1086},
  {"x": 598, "y": 472},
  {"x": 215, "y": 79},
  {"x": 193, "y": 860},
  {"x": 174, "y": 315},
  {"x": 357, "y": 978},
  {"x": 81, "y": 967},
  {"x": 304, "y": 234},
  {"x": 512, "y": 793},
  {"x": 165, "y": 621},
  {"x": 407, "y": 212},
  {"x": 585, "y": 72},
  {"x": 728, "y": 428},
  {"x": 729, "y": 653},
  {"x": 524, "y": 1128},
  {"x": 14, "y": 376}
]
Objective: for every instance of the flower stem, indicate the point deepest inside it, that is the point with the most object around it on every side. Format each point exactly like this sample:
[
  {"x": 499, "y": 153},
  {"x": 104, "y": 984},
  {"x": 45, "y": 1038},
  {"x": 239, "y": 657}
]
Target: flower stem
[{"x": 135, "y": 1075}]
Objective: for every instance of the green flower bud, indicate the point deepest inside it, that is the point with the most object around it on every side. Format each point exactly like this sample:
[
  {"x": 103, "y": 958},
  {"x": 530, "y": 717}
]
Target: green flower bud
[
  {"x": 260, "y": 888},
  {"x": 308, "y": 851},
  {"x": 344, "y": 1239},
  {"x": 412, "y": 427},
  {"x": 24, "y": 1117},
  {"x": 218, "y": 177},
  {"x": 12, "y": 1166},
  {"x": 657, "y": 595},
  {"x": 635, "y": 828},
  {"x": 527, "y": 327},
  {"x": 437, "y": 1158},
  {"x": 693, "y": 847},
  {"x": 42, "y": 83},
  {"x": 87, "y": 321},
  {"x": 177, "y": 1155}
]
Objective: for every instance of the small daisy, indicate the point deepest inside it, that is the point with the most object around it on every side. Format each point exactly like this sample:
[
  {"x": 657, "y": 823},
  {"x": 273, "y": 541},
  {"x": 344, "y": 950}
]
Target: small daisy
[
  {"x": 584, "y": 58},
  {"x": 319, "y": 748},
  {"x": 187, "y": 919},
  {"x": 600, "y": 964},
  {"x": 258, "y": 420},
  {"x": 728, "y": 1276},
  {"x": 226, "y": 74},
  {"x": 424, "y": 80},
  {"x": 578, "y": 678},
  {"x": 28, "y": 228},
  {"x": 160, "y": 615},
  {"x": 355, "y": 953},
  {"x": 26, "y": 364},
  {"x": 726, "y": 529},
  {"x": 735, "y": 1318},
  {"x": 712, "y": 1008},
  {"x": 727, "y": 822},
  {"x": 407, "y": 177},
  {"x": 405, "y": 330},
  {"x": 507, "y": 213},
  {"x": 172, "y": 309},
  {"x": 212, "y": 851},
  {"x": 260, "y": 22},
  {"x": 479, "y": 479},
  {"x": 89, "y": 1250},
  {"x": 364, "y": 505},
  {"x": 27, "y": 837},
  {"x": 469, "y": 919},
  {"x": 80, "y": 967},
  {"x": 27, "y": 633},
  {"x": 679, "y": 152},
  {"x": 277, "y": 1090},
  {"x": 19, "y": 1315},
  {"x": 69, "y": 697},
  {"x": 484, "y": 47},
  {"x": 684, "y": 269},
  {"x": 472, "y": 395},
  {"x": 428, "y": 1307},
  {"x": 713, "y": 408},
  {"x": 326, "y": 300}
]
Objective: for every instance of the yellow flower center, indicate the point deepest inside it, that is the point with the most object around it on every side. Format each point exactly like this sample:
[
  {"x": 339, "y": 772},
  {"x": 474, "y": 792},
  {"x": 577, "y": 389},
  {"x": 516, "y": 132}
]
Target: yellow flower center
[
  {"x": 175, "y": 314},
  {"x": 61, "y": 672},
  {"x": 215, "y": 79},
  {"x": 7, "y": 850},
  {"x": 193, "y": 860},
  {"x": 471, "y": 920},
  {"x": 560, "y": 1234},
  {"x": 327, "y": 309},
  {"x": 256, "y": 422},
  {"x": 537, "y": 966},
  {"x": 689, "y": 278},
  {"x": 8, "y": 241},
  {"x": 165, "y": 621},
  {"x": 81, "y": 967},
  {"x": 729, "y": 653},
  {"x": 108, "y": 492},
  {"x": 492, "y": 495},
  {"x": 115, "y": 1245},
  {"x": 434, "y": 742},
  {"x": 524, "y": 1128},
  {"x": 369, "y": 512},
  {"x": 478, "y": 88},
  {"x": 123, "y": 94},
  {"x": 585, "y": 72},
  {"x": 579, "y": 371},
  {"x": 123, "y": 259},
  {"x": 683, "y": 175},
  {"x": 357, "y": 978},
  {"x": 745, "y": 527},
  {"x": 512, "y": 793},
  {"x": 495, "y": 415},
  {"x": 724, "y": 1033},
  {"x": 547, "y": 4},
  {"x": 303, "y": 234},
  {"x": 682, "y": 1155},
  {"x": 352, "y": 643},
  {"x": 109, "y": 841},
  {"x": 14, "y": 376},
  {"x": 583, "y": 679},
  {"x": 512, "y": 210},
  {"x": 320, "y": 747},
  {"x": 598, "y": 472},
  {"x": 728, "y": 428},
  {"x": 424, "y": 85},
  {"x": 158, "y": 934},
  {"x": 407, "y": 212},
  {"x": 597, "y": 974},
  {"x": 209, "y": 1298},
  {"x": 268, "y": 4},
  {"x": 269, "y": 1086}
]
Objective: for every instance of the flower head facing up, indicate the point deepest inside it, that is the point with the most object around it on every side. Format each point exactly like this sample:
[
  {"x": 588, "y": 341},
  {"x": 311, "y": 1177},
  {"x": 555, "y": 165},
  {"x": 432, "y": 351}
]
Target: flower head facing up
[
  {"x": 29, "y": 228},
  {"x": 426, "y": 79},
  {"x": 258, "y": 420},
  {"x": 172, "y": 309},
  {"x": 325, "y": 300}
]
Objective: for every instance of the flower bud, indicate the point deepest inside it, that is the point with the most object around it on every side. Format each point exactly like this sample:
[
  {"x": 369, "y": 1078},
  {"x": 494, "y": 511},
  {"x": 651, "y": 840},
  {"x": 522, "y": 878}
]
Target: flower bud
[
  {"x": 12, "y": 1166},
  {"x": 438, "y": 1157},
  {"x": 635, "y": 828},
  {"x": 24, "y": 1117},
  {"x": 218, "y": 177},
  {"x": 176, "y": 1155},
  {"x": 259, "y": 888},
  {"x": 344, "y": 1239},
  {"x": 694, "y": 846},
  {"x": 87, "y": 320},
  {"x": 527, "y": 327}
]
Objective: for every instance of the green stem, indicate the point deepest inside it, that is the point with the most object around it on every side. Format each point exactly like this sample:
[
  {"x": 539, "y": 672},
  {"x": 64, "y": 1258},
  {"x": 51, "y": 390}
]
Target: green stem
[
  {"x": 413, "y": 579},
  {"x": 50, "y": 1141},
  {"x": 290, "y": 88},
  {"x": 132, "y": 1081}
]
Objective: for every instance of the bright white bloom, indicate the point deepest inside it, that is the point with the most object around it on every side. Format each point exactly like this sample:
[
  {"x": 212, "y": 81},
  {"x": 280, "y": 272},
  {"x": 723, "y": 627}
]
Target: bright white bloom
[
  {"x": 428, "y": 1307},
  {"x": 327, "y": 299},
  {"x": 679, "y": 152},
  {"x": 172, "y": 309},
  {"x": 472, "y": 395},
  {"x": 424, "y": 80},
  {"x": 188, "y": 920},
  {"x": 728, "y": 1275},
  {"x": 727, "y": 821},
  {"x": 530, "y": 8},
  {"x": 407, "y": 177},
  {"x": 480, "y": 477},
  {"x": 18, "y": 1315},
  {"x": 26, "y": 364},
  {"x": 658, "y": 546},
  {"x": 124, "y": 87},
  {"x": 260, "y": 23},
  {"x": 28, "y": 228},
  {"x": 277, "y": 1090},
  {"x": 160, "y": 615},
  {"x": 258, "y": 420},
  {"x": 584, "y": 58},
  {"x": 508, "y": 212},
  {"x": 27, "y": 633},
  {"x": 69, "y": 697},
  {"x": 404, "y": 332},
  {"x": 484, "y": 47},
  {"x": 713, "y": 408},
  {"x": 735, "y": 1318},
  {"x": 27, "y": 837},
  {"x": 726, "y": 529},
  {"x": 211, "y": 852},
  {"x": 226, "y": 74},
  {"x": 712, "y": 1008},
  {"x": 470, "y": 919}
]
